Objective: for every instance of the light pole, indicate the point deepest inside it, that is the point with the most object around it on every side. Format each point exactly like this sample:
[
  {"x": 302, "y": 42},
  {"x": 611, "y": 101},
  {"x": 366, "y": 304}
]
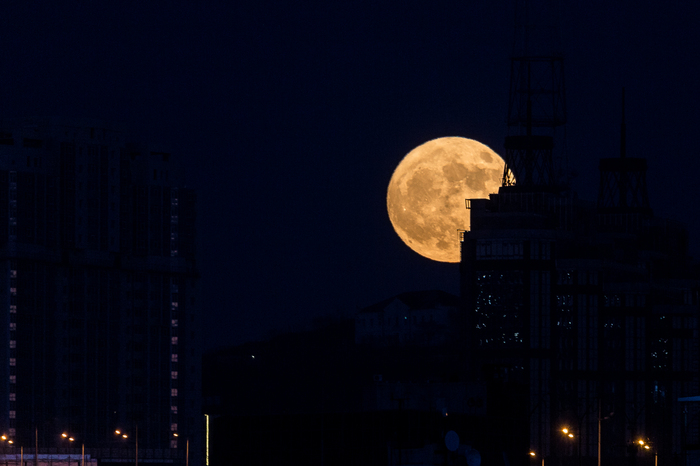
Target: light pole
[
  {"x": 534, "y": 455},
  {"x": 82, "y": 448},
  {"x": 136, "y": 438},
  {"x": 10, "y": 442},
  {"x": 568, "y": 434},
  {"x": 187, "y": 448}
]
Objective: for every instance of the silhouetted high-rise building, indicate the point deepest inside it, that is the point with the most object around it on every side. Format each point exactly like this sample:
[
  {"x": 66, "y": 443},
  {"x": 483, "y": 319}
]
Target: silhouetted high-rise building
[
  {"x": 98, "y": 289},
  {"x": 583, "y": 316}
]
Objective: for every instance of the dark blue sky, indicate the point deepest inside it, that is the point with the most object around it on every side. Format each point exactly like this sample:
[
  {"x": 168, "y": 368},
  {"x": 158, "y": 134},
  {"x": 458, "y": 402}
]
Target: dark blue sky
[{"x": 292, "y": 117}]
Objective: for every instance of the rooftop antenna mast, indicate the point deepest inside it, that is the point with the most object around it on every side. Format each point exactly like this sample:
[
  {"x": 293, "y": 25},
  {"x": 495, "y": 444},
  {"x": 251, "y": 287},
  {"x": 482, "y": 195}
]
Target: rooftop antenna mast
[
  {"x": 623, "y": 180},
  {"x": 536, "y": 104}
]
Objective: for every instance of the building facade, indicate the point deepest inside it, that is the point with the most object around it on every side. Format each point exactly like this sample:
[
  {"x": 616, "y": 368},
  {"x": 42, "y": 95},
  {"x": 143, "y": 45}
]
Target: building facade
[
  {"x": 98, "y": 291},
  {"x": 583, "y": 316}
]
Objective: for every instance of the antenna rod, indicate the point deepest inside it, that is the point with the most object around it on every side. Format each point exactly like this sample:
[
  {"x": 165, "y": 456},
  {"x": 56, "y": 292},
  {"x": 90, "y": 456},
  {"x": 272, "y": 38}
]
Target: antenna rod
[{"x": 623, "y": 129}]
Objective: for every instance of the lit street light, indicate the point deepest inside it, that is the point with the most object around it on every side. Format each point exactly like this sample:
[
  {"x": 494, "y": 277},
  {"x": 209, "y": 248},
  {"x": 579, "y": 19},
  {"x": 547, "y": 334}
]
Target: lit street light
[
  {"x": 82, "y": 448},
  {"x": 136, "y": 438}
]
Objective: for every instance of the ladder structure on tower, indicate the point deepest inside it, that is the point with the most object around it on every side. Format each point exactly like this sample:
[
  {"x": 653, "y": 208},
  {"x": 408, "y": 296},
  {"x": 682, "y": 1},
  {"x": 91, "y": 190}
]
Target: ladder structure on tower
[{"x": 536, "y": 106}]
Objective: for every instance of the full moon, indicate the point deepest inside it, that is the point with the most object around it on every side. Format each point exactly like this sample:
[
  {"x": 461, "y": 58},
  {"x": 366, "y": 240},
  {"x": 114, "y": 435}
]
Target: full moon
[{"x": 426, "y": 193}]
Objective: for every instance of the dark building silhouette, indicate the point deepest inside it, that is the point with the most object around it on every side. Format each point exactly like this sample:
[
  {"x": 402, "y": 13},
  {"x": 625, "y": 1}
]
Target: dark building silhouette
[
  {"x": 98, "y": 285},
  {"x": 423, "y": 318},
  {"x": 581, "y": 313},
  {"x": 330, "y": 396}
]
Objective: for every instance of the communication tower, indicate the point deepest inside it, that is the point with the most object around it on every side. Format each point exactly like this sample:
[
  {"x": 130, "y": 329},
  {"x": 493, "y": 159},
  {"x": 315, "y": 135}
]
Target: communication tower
[
  {"x": 623, "y": 182},
  {"x": 536, "y": 105}
]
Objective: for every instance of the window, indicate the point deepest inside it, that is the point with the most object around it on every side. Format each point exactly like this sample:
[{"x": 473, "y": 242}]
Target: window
[
  {"x": 173, "y": 375},
  {"x": 173, "y": 393},
  {"x": 173, "y": 357}
]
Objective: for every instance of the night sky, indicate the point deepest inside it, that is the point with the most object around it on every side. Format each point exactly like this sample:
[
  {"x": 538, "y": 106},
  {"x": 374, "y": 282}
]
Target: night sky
[{"x": 291, "y": 117}]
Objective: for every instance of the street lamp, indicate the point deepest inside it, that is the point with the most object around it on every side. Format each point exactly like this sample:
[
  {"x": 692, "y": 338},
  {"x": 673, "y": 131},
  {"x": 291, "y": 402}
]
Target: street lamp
[
  {"x": 9, "y": 441},
  {"x": 82, "y": 448},
  {"x": 124, "y": 435},
  {"x": 647, "y": 447}
]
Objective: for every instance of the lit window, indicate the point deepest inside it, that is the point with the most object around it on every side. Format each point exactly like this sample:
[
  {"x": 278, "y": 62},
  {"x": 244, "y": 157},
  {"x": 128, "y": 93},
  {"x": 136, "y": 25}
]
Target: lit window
[
  {"x": 13, "y": 326},
  {"x": 13, "y": 309},
  {"x": 173, "y": 323},
  {"x": 13, "y": 273},
  {"x": 173, "y": 357},
  {"x": 13, "y": 379},
  {"x": 173, "y": 409},
  {"x": 173, "y": 340},
  {"x": 13, "y": 414},
  {"x": 13, "y": 396},
  {"x": 173, "y": 427},
  {"x": 173, "y": 444},
  {"x": 173, "y": 391},
  {"x": 173, "y": 375},
  {"x": 13, "y": 343},
  {"x": 13, "y": 362}
]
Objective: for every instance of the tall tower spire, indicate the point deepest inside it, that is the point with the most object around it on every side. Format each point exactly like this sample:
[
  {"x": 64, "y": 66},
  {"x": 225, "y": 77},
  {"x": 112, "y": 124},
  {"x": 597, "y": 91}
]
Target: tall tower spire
[
  {"x": 623, "y": 181},
  {"x": 536, "y": 105}
]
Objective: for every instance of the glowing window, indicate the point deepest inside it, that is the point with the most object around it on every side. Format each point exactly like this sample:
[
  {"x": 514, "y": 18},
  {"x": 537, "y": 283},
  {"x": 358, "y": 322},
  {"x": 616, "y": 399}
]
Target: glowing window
[
  {"x": 173, "y": 427},
  {"x": 173, "y": 391},
  {"x": 173, "y": 340},
  {"x": 173, "y": 375},
  {"x": 173, "y": 357},
  {"x": 13, "y": 414},
  {"x": 13, "y": 362}
]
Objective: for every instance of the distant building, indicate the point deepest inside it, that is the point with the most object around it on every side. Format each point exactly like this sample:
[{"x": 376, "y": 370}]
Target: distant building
[
  {"x": 98, "y": 290},
  {"x": 425, "y": 318}
]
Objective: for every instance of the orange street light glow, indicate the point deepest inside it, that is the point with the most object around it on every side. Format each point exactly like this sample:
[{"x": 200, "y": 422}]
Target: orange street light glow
[
  {"x": 124, "y": 436},
  {"x": 532, "y": 453},
  {"x": 565, "y": 430},
  {"x": 571, "y": 435}
]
